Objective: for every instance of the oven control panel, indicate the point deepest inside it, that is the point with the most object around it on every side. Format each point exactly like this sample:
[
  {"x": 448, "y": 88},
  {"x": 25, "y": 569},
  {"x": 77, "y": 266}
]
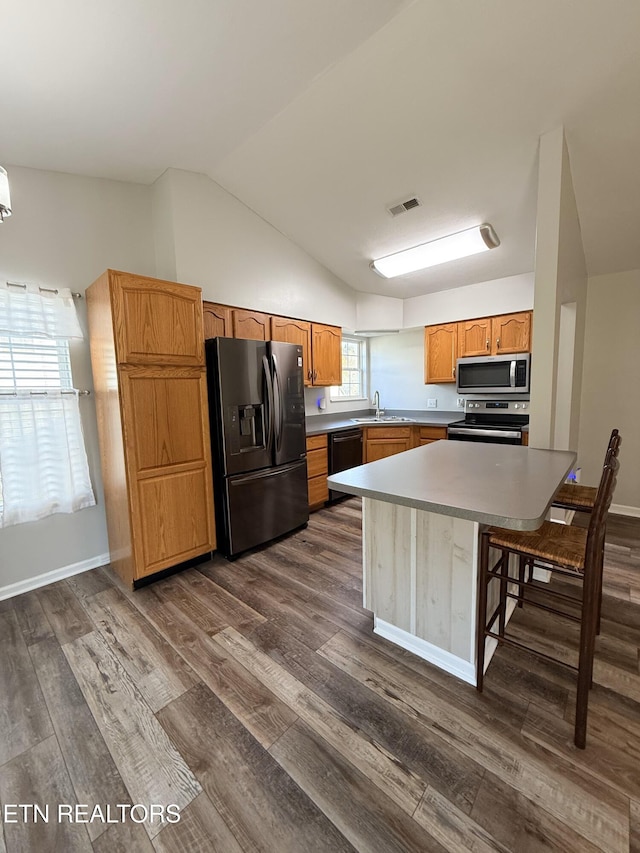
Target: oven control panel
[{"x": 497, "y": 407}]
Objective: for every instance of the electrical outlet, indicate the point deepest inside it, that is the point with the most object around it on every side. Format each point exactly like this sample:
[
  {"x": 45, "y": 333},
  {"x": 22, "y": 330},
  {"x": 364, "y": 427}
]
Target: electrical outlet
[
  {"x": 432, "y": 403},
  {"x": 460, "y": 402}
]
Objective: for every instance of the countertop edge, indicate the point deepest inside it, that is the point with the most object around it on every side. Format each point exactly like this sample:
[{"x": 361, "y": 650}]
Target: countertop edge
[{"x": 440, "y": 509}]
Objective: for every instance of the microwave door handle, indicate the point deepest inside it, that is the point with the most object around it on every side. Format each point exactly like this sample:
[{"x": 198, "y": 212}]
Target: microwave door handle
[{"x": 512, "y": 373}]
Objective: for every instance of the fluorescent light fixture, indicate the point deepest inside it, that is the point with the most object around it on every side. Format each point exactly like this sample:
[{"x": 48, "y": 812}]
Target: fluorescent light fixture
[
  {"x": 460, "y": 245},
  {"x": 5, "y": 199}
]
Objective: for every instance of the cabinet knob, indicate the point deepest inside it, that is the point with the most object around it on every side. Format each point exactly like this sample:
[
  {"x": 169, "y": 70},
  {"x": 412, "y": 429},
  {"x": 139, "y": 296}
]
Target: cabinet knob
[
  {"x": 498, "y": 343},
  {"x": 488, "y": 343},
  {"x": 453, "y": 373}
]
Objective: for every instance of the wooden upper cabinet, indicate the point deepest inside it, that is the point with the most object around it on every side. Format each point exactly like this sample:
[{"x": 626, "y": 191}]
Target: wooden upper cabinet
[
  {"x": 511, "y": 333},
  {"x": 440, "y": 351},
  {"x": 251, "y": 325},
  {"x": 216, "y": 321},
  {"x": 326, "y": 354},
  {"x": 474, "y": 337},
  {"x": 295, "y": 332},
  {"x": 156, "y": 322}
]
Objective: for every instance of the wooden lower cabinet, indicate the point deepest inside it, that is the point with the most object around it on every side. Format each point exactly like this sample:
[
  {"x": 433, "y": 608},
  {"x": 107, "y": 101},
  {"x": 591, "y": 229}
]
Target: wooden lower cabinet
[
  {"x": 317, "y": 470},
  {"x": 525, "y": 438},
  {"x": 383, "y": 441},
  {"x": 428, "y": 434}
]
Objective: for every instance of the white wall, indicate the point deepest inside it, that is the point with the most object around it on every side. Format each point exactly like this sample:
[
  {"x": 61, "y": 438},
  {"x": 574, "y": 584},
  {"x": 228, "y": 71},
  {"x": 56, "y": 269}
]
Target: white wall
[
  {"x": 65, "y": 231},
  {"x": 610, "y": 387},
  {"x": 375, "y": 312},
  {"x": 500, "y": 296},
  {"x": 560, "y": 278},
  {"x": 237, "y": 258},
  {"x": 397, "y": 372}
]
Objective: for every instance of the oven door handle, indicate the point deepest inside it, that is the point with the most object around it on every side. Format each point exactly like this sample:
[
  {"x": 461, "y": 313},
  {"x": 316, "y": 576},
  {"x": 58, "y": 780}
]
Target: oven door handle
[{"x": 491, "y": 433}]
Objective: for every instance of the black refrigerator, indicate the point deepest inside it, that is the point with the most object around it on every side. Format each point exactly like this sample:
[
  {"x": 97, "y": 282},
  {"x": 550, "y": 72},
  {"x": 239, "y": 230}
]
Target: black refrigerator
[{"x": 256, "y": 404}]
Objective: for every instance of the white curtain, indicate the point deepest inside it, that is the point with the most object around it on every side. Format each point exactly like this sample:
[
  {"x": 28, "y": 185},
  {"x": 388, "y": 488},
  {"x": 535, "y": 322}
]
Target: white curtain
[
  {"x": 42, "y": 457},
  {"x": 28, "y": 310},
  {"x": 43, "y": 463}
]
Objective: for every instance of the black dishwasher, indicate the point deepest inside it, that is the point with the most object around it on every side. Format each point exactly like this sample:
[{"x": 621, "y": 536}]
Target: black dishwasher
[{"x": 345, "y": 451}]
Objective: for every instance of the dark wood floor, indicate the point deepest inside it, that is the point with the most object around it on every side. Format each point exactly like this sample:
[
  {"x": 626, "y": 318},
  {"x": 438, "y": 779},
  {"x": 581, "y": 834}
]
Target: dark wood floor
[{"x": 255, "y": 697}]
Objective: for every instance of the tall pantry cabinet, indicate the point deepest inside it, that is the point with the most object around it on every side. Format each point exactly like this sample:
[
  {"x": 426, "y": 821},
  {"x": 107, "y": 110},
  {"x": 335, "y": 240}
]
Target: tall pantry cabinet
[{"x": 149, "y": 375}]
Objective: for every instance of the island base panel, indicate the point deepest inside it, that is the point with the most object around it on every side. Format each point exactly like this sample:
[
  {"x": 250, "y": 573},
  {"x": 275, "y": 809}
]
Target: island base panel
[{"x": 420, "y": 581}]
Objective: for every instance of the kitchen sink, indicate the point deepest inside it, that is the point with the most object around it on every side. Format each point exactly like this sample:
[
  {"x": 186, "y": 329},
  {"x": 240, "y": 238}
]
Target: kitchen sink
[{"x": 383, "y": 419}]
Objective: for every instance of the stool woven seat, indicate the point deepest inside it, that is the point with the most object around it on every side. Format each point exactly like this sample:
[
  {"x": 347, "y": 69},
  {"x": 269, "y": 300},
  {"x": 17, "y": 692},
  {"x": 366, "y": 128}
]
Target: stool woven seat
[
  {"x": 554, "y": 543},
  {"x": 575, "y": 496}
]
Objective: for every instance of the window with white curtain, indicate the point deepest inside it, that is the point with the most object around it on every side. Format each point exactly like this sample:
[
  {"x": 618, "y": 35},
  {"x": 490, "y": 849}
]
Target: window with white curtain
[{"x": 43, "y": 462}]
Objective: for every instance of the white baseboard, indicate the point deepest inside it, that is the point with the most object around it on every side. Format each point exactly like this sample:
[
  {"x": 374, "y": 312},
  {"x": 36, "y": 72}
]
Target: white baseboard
[
  {"x": 50, "y": 577},
  {"x": 462, "y": 669},
  {"x": 620, "y": 509}
]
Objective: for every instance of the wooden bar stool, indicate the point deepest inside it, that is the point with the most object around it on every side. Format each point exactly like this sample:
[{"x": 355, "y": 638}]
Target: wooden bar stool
[
  {"x": 566, "y": 551},
  {"x": 582, "y": 498}
]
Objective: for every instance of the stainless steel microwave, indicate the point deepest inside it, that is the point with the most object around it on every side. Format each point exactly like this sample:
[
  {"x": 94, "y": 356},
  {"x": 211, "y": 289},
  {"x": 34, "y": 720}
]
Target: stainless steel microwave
[{"x": 494, "y": 374}]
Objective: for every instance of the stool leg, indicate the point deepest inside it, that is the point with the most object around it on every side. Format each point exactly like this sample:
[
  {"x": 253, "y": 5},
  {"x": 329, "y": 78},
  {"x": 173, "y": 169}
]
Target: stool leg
[
  {"x": 522, "y": 569},
  {"x": 504, "y": 572},
  {"x": 587, "y": 649},
  {"x": 599, "y": 593},
  {"x": 481, "y": 620}
]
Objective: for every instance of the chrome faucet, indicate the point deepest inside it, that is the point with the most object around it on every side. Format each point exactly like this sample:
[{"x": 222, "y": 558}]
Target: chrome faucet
[{"x": 376, "y": 402}]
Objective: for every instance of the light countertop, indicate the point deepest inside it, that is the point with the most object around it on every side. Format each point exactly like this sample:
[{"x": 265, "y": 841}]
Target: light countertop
[
  {"x": 505, "y": 485},
  {"x": 317, "y": 424}
]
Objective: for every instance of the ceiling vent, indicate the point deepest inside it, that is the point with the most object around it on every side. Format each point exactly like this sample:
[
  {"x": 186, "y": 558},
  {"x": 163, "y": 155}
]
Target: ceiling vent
[{"x": 404, "y": 206}]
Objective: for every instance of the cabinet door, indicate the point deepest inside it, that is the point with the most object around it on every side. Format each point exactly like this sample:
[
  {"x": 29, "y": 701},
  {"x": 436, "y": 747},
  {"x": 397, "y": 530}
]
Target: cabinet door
[
  {"x": 326, "y": 354},
  {"x": 156, "y": 322},
  {"x": 511, "y": 333},
  {"x": 251, "y": 325},
  {"x": 474, "y": 337},
  {"x": 295, "y": 332},
  {"x": 168, "y": 461},
  {"x": 440, "y": 348},
  {"x": 217, "y": 320},
  {"x": 380, "y": 448},
  {"x": 427, "y": 434},
  {"x": 381, "y": 442}
]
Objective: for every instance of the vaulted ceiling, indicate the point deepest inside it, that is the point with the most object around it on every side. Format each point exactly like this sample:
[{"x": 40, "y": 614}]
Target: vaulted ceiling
[{"x": 319, "y": 114}]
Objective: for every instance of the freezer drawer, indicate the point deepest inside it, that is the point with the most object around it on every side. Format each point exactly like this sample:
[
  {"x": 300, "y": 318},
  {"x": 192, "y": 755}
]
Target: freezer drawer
[{"x": 263, "y": 505}]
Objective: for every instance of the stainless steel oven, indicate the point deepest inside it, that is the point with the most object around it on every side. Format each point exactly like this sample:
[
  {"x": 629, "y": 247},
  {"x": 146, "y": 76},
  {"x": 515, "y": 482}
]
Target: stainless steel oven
[
  {"x": 492, "y": 421},
  {"x": 494, "y": 374}
]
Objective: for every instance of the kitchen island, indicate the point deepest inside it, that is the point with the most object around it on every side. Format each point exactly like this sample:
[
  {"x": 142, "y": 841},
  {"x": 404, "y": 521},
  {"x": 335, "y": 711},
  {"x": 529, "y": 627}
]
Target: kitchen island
[{"x": 422, "y": 513}]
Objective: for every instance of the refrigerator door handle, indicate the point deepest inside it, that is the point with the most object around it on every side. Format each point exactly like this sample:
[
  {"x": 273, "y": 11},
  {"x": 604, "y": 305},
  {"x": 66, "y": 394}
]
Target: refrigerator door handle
[
  {"x": 270, "y": 403},
  {"x": 278, "y": 413}
]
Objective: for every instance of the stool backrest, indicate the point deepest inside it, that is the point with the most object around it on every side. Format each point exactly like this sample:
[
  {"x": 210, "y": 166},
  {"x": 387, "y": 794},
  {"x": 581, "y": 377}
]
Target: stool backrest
[
  {"x": 597, "y": 523},
  {"x": 613, "y": 447}
]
